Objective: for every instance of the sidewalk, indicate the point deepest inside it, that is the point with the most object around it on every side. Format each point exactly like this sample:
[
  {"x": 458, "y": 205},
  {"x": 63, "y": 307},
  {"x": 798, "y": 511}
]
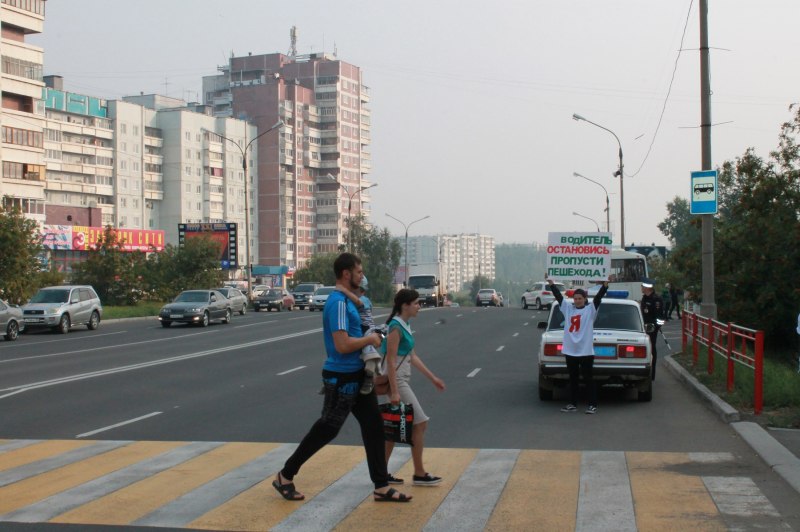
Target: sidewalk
[{"x": 779, "y": 448}]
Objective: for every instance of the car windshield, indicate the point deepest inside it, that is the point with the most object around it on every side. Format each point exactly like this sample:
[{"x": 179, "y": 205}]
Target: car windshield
[
  {"x": 422, "y": 281},
  {"x": 323, "y": 291},
  {"x": 561, "y": 287},
  {"x": 486, "y": 291},
  {"x": 51, "y": 296},
  {"x": 192, "y": 297},
  {"x": 272, "y": 293},
  {"x": 616, "y": 317},
  {"x": 304, "y": 288}
]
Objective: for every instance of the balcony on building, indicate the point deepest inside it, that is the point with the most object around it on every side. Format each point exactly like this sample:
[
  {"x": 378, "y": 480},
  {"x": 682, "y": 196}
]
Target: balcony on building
[{"x": 364, "y": 94}]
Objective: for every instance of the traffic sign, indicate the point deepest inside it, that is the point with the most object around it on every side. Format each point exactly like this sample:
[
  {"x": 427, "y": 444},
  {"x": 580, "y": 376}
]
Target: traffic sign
[{"x": 704, "y": 192}]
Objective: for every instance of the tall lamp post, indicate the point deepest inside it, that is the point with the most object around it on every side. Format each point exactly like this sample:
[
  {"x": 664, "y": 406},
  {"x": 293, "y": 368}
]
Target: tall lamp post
[
  {"x": 359, "y": 190},
  {"x": 406, "y": 227},
  {"x": 619, "y": 173},
  {"x": 591, "y": 219},
  {"x": 244, "y": 151},
  {"x": 608, "y": 219}
]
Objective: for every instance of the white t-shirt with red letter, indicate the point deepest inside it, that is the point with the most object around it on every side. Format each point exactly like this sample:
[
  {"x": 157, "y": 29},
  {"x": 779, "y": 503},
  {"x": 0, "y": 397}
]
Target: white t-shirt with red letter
[{"x": 578, "y": 329}]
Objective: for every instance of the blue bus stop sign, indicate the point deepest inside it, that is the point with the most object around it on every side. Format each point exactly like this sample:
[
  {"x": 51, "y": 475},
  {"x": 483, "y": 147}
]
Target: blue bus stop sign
[{"x": 704, "y": 192}]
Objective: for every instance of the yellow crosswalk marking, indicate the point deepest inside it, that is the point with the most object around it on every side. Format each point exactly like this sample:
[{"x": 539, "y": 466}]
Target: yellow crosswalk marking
[
  {"x": 446, "y": 463},
  {"x": 666, "y": 499},
  {"x": 38, "y": 451},
  {"x": 141, "y": 498},
  {"x": 541, "y": 494},
  {"x": 261, "y": 507},
  {"x": 36, "y": 488}
]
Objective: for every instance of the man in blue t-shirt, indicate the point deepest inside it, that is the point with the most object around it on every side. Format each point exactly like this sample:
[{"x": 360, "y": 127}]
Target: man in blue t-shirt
[{"x": 342, "y": 376}]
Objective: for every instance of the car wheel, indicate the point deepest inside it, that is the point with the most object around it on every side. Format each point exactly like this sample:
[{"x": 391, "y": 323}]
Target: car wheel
[
  {"x": 524, "y": 304},
  {"x": 301, "y": 307},
  {"x": 311, "y": 309},
  {"x": 244, "y": 309},
  {"x": 280, "y": 307},
  {"x": 94, "y": 321},
  {"x": 545, "y": 394},
  {"x": 166, "y": 324},
  {"x": 12, "y": 331},
  {"x": 539, "y": 304},
  {"x": 64, "y": 324},
  {"x": 206, "y": 319},
  {"x": 228, "y": 316},
  {"x": 646, "y": 392}
]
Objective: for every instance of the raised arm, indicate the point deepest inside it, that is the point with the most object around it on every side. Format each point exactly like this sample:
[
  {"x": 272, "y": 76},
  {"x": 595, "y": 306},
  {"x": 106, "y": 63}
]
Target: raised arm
[
  {"x": 553, "y": 288},
  {"x": 600, "y": 293}
]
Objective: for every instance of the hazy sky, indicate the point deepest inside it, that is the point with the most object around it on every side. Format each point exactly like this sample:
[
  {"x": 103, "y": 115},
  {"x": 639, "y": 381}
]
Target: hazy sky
[{"x": 472, "y": 101}]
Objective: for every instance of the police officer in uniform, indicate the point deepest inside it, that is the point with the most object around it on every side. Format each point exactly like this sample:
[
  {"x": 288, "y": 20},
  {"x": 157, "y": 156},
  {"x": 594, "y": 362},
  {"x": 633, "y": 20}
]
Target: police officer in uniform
[{"x": 653, "y": 313}]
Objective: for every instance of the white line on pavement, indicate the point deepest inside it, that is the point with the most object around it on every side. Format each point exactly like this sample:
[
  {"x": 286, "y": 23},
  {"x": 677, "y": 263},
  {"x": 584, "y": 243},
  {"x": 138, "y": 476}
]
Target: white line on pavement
[
  {"x": 13, "y": 390},
  {"x": 62, "y": 340},
  {"x": 134, "y": 420},
  {"x": 500, "y": 348},
  {"x": 515, "y": 335},
  {"x": 525, "y": 324},
  {"x": 298, "y": 368},
  {"x": 459, "y": 315},
  {"x": 473, "y": 373}
]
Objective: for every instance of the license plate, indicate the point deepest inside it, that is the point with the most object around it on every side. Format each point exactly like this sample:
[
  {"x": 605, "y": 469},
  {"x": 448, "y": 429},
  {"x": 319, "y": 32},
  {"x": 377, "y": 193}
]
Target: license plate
[
  {"x": 604, "y": 351},
  {"x": 175, "y": 316},
  {"x": 33, "y": 320}
]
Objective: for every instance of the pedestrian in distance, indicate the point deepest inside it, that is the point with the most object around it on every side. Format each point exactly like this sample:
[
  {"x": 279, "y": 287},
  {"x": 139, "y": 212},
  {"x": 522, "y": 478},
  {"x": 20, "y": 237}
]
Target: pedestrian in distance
[
  {"x": 342, "y": 376},
  {"x": 578, "y": 344},
  {"x": 674, "y": 304},
  {"x": 401, "y": 355},
  {"x": 653, "y": 313}
]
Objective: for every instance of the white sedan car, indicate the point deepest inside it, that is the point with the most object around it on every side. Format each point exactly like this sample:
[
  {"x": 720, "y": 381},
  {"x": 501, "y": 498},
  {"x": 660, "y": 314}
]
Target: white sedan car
[{"x": 622, "y": 353}]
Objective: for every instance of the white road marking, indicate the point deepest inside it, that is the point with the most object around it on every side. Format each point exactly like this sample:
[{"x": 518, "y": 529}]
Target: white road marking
[
  {"x": 298, "y": 368},
  {"x": 525, "y": 324},
  {"x": 739, "y": 496},
  {"x": 459, "y": 315},
  {"x": 105, "y": 347},
  {"x": 473, "y": 373},
  {"x": 252, "y": 324},
  {"x": 62, "y": 340},
  {"x": 500, "y": 348},
  {"x": 605, "y": 501},
  {"x": 134, "y": 420},
  {"x": 515, "y": 335},
  {"x": 13, "y": 390}
]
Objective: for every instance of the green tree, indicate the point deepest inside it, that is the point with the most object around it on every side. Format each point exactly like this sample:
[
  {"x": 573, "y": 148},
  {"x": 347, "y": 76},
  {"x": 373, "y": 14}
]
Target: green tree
[
  {"x": 318, "y": 269},
  {"x": 115, "y": 274},
  {"x": 193, "y": 265},
  {"x": 19, "y": 263},
  {"x": 380, "y": 253},
  {"x": 756, "y": 231}
]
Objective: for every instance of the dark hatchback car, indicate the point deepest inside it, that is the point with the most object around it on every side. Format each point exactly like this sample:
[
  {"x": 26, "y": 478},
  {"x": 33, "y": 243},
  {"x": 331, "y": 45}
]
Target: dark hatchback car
[
  {"x": 196, "y": 306},
  {"x": 273, "y": 298}
]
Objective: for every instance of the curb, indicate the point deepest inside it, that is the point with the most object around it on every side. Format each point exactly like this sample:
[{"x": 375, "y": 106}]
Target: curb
[
  {"x": 780, "y": 459},
  {"x": 138, "y": 318},
  {"x": 726, "y": 412}
]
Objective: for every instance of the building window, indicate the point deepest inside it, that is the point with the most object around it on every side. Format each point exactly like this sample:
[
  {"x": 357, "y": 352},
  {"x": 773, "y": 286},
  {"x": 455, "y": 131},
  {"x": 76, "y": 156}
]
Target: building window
[
  {"x": 24, "y": 171},
  {"x": 123, "y": 128},
  {"x": 22, "y": 68},
  {"x": 23, "y": 137}
]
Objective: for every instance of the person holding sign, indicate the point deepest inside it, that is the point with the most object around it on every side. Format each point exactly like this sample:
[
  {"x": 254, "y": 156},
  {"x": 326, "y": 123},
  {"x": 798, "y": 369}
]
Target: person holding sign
[{"x": 578, "y": 345}]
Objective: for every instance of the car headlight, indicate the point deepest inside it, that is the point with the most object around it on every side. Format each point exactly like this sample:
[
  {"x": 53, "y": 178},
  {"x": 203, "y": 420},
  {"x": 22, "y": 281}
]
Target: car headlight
[
  {"x": 195, "y": 309},
  {"x": 53, "y": 311}
]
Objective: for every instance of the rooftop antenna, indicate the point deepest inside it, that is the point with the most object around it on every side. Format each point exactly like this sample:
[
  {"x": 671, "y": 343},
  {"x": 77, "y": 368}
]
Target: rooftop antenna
[
  {"x": 335, "y": 51},
  {"x": 293, "y": 42}
]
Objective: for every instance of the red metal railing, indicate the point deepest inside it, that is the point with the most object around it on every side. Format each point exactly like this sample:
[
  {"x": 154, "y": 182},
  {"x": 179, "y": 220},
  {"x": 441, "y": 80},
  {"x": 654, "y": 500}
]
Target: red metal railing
[{"x": 733, "y": 342}]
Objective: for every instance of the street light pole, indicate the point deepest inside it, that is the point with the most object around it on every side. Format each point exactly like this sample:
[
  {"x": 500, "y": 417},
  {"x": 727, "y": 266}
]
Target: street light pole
[
  {"x": 619, "y": 173},
  {"x": 406, "y": 227},
  {"x": 349, "y": 206},
  {"x": 592, "y": 219},
  {"x": 608, "y": 219},
  {"x": 244, "y": 151}
]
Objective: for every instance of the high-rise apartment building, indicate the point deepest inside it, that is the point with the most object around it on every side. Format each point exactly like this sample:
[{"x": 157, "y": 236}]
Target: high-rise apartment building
[
  {"x": 22, "y": 183},
  {"x": 462, "y": 257},
  {"x": 312, "y": 170}
]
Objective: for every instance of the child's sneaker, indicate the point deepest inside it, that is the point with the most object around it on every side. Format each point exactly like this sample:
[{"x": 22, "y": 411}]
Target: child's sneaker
[
  {"x": 591, "y": 409},
  {"x": 570, "y": 408},
  {"x": 368, "y": 384}
]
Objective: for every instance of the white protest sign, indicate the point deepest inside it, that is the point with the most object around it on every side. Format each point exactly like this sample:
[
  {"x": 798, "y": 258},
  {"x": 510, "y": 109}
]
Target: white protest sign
[{"x": 578, "y": 256}]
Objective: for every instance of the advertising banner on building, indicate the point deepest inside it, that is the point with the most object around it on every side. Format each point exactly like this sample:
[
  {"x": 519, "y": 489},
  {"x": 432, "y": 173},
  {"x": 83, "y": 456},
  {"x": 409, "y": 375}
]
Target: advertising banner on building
[
  {"x": 83, "y": 238},
  {"x": 224, "y": 234},
  {"x": 578, "y": 256}
]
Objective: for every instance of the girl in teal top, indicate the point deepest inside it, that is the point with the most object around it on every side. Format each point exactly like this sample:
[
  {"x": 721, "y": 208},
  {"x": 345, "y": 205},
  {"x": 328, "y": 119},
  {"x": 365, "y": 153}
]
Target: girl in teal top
[{"x": 400, "y": 357}]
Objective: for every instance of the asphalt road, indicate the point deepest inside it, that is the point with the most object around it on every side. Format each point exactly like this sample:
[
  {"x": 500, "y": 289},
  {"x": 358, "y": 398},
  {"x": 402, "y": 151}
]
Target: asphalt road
[{"x": 256, "y": 380}]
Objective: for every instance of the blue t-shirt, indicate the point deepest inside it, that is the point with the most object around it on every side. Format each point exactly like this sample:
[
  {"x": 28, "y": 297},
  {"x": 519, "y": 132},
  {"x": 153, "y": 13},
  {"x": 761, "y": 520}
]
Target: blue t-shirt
[{"x": 340, "y": 314}]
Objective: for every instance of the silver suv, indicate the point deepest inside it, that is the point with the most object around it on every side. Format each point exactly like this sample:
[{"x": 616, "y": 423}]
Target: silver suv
[
  {"x": 539, "y": 296},
  {"x": 61, "y": 307},
  {"x": 303, "y": 293}
]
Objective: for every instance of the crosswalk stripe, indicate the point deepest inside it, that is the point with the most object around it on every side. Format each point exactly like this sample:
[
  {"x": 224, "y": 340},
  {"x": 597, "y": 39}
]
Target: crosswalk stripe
[
  {"x": 65, "y": 501},
  {"x": 6, "y": 446},
  {"x": 743, "y": 505},
  {"x": 545, "y": 484},
  {"x": 197, "y": 502},
  {"x": 471, "y": 501},
  {"x": 77, "y": 453},
  {"x": 114, "y": 455},
  {"x": 605, "y": 501},
  {"x": 656, "y": 506}
]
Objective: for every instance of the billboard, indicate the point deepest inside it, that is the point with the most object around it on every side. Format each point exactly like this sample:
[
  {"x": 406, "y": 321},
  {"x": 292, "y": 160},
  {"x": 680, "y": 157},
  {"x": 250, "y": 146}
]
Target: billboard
[
  {"x": 83, "y": 238},
  {"x": 223, "y": 233}
]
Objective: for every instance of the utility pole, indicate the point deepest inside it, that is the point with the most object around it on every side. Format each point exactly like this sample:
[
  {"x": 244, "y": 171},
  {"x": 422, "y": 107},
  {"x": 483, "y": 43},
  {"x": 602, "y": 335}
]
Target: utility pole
[{"x": 708, "y": 306}]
